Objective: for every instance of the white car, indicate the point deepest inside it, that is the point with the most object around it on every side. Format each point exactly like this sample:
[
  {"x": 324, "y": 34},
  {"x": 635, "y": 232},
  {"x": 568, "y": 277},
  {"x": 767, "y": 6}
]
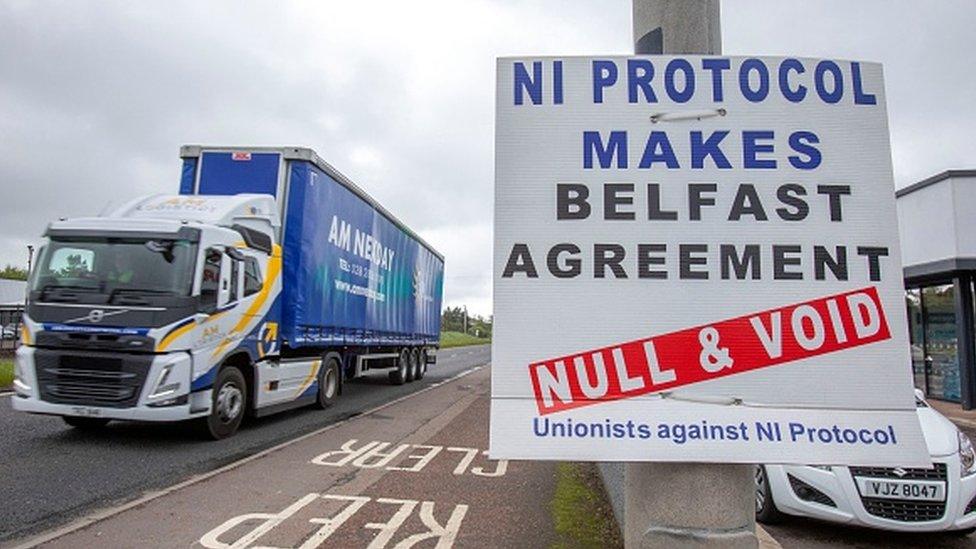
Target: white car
[{"x": 908, "y": 499}]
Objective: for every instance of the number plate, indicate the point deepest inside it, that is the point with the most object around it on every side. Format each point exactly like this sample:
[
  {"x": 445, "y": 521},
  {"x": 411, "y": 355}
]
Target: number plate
[
  {"x": 917, "y": 490},
  {"x": 85, "y": 411}
]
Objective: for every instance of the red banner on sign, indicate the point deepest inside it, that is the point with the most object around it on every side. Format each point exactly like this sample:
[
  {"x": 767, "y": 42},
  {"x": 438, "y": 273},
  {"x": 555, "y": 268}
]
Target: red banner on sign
[{"x": 711, "y": 351}]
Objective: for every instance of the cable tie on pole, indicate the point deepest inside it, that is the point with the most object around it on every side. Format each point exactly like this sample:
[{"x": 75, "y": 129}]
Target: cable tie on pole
[{"x": 718, "y": 401}]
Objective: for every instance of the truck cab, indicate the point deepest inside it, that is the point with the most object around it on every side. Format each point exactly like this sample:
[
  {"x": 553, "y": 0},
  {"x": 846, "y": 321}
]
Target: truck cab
[{"x": 129, "y": 314}]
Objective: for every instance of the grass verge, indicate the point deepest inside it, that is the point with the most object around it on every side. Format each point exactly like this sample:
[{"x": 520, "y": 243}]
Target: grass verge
[
  {"x": 459, "y": 339},
  {"x": 6, "y": 373},
  {"x": 581, "y": 513}
]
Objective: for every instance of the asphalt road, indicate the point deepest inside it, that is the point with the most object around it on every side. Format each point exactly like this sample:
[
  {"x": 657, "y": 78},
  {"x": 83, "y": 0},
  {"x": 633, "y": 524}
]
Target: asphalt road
[
  {"x": 52, "y": 473},
  {"x": 414, "y": 473},
  {"x": 802, "y": 533}
]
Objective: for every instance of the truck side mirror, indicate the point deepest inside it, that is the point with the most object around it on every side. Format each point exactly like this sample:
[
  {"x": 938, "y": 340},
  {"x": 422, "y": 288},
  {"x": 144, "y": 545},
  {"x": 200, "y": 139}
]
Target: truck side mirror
[
  {"x": 223, "y": 290},
  {"x": 234, "y": 253}
]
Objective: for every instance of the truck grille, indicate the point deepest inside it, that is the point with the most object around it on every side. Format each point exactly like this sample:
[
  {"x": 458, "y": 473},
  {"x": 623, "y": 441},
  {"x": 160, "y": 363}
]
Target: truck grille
[
  {"x": 91, "y": 379},
  {"x": 904, "y": 510}
]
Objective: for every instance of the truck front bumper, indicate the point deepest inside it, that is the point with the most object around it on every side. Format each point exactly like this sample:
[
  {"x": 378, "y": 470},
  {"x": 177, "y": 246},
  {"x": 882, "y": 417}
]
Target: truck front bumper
[
  {"x": 136, "y": 413},
  {"x": 163, "y": 395}
]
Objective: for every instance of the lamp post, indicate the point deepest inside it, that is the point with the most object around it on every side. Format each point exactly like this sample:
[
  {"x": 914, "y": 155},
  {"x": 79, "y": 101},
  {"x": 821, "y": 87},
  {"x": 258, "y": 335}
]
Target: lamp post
[{"x": 685, "y": 504}]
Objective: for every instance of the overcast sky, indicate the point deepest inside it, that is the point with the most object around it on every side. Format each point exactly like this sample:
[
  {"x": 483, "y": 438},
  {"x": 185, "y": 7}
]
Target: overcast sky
[{"x": 97, "y": 97}]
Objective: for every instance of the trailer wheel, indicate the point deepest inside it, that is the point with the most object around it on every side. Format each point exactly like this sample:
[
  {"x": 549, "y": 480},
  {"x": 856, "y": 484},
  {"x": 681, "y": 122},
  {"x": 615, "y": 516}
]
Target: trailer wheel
[
  {"x": 421, "y": 363},
  {"x": 328, "y": 383},
  {"x": 227, "y": 405},
  {"x": 86, "y": 423},
  {"x": 399, "y": 376},
  {"x": 413, "y": 366}
]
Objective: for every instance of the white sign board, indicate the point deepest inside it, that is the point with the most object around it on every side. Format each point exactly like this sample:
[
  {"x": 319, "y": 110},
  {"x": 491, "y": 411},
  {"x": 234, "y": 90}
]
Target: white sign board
[{"x": 696, "y": 259}]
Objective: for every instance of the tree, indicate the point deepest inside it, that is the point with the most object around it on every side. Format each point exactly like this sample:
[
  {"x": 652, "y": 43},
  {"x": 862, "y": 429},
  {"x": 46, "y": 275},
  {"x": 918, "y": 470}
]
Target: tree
[
  {"x": 452, "y": 320},
  {"x": 11, "y": 272}
]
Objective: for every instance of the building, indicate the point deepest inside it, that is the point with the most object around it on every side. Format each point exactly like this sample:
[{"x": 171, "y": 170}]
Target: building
[
  {"x": 937, "y": 222},
  {"x": 12, "y": 295}
]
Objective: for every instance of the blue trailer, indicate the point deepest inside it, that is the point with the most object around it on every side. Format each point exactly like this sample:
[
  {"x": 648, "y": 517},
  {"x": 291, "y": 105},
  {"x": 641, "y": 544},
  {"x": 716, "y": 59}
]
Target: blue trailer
[{"x": 264, "y": 285}]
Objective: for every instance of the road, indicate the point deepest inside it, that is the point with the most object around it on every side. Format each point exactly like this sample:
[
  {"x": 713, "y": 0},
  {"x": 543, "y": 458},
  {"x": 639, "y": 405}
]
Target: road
[
  {"x": 52, "y": 473},
  {"x": 414, "y": 472}
]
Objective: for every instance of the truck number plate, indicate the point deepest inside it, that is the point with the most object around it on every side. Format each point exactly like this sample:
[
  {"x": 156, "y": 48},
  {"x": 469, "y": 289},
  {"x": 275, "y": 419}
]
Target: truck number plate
[{"x": 86, "y": 411}]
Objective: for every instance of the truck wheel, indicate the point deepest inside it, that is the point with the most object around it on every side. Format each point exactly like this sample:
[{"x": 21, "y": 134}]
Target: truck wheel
[
  {"x": 86, "y": 423},
  {"x": 421, "y": 364},
  {"x": 228, "y": 404},
  {"x": 399, "y": 376},
  {"x": 328, "y": 383}
]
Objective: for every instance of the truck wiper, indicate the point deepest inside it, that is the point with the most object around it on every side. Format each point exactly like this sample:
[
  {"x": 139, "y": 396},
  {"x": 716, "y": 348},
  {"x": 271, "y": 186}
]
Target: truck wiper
[
  {"x": 47, "y": 287},
  {"x": 120, "y": 291}
]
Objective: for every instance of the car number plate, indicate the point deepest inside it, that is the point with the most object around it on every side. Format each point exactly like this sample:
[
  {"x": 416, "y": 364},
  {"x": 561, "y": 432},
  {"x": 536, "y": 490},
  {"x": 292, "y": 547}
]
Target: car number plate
[{"x": 918, "y": 490}]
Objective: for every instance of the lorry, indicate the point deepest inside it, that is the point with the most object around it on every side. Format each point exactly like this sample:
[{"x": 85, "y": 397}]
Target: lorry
[{"x": 265, "y": 284}]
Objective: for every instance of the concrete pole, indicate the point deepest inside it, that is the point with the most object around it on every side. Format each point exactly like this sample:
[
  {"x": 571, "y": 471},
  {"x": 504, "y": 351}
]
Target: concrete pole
[
  {"x": 686, "y": 504},
  {"x": 677, "y": 27}
]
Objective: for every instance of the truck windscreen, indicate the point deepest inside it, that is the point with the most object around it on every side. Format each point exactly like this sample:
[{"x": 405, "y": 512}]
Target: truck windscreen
[{"x": 116, "y": 266}]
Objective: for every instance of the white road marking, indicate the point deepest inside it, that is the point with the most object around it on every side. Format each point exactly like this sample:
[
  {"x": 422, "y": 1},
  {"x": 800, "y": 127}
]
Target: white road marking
[
  {"x": 103, "y": 514},
  {"x": 366, "y": 456},
  {"x": 445, "y": 534}
]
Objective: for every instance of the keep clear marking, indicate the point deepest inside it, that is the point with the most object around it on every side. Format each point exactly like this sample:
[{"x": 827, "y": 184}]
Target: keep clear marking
[
  {"x": 407, "y": 457},
  {"x": 233, "y": 533}
]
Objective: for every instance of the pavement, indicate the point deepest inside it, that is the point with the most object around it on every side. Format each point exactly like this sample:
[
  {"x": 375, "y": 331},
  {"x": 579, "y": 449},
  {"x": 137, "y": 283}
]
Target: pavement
[
  {"x": 414, "y": 471},
  {"x": 964, "y": 419},
  {"x": 52, "y": 474}
]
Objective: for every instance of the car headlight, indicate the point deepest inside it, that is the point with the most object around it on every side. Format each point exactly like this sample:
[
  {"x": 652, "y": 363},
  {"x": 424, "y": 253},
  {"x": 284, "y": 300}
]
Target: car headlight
[{"x": 966, "y": 454}]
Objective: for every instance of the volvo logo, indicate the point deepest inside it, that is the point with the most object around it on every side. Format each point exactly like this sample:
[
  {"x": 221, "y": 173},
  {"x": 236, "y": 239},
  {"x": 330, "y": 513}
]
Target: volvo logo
[{"x": 95, "y": 316}]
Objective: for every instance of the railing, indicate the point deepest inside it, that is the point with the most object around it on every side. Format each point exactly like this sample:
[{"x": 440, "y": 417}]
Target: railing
[{"x": 10, "y": 328}]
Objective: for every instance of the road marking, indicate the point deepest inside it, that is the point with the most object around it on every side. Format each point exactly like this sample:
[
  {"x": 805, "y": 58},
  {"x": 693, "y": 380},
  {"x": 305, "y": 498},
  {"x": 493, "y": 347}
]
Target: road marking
[
  {"x": 766, "y": 541},
  {"x": 365, "y": 457},
  {"x": 100, "y": 515},
  {"x": 445, "y": 534}
]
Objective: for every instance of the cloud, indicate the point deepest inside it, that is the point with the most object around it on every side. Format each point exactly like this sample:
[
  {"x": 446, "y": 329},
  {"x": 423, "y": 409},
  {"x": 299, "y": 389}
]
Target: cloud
[{"x": 97, "y": 97}]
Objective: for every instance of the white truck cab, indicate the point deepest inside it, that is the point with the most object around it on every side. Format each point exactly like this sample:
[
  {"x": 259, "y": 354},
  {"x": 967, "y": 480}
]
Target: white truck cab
[{"x": 129, "y": 313}]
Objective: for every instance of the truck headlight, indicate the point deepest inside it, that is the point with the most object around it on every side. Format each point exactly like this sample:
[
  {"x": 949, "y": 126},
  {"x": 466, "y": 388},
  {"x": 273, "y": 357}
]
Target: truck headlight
[
  {"x": 163, "y": 387},
  {"x": 966, "y": 454}
]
